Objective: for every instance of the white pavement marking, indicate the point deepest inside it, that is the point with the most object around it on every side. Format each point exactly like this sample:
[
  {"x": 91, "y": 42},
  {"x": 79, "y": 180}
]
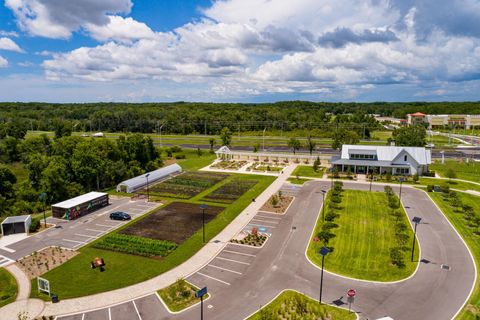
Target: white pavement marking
[
  {"x": 95, "y": 230},
  {"x": 109, "y": 314},
  {"x": 267, "y": 217},
  {"x": 73, "y": 241},
  {"x": 241, "y": 253},
  {"x": 104, "y": 225},
  {"x": 260, "y": 225},
  {"x": 83, "y": 316},
  {"x": 246, "y": 263},
  {"x": 217, "y": 267},
  {"x": 136, "y": 309},
  {"x": 207, "y": 276},
  {"x": 84, "y": 235},
  {"x": 266, "y": 221}
]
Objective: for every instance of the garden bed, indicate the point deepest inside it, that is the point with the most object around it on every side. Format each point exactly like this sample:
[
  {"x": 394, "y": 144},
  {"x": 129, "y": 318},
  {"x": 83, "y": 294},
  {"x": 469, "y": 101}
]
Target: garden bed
[
  {"x": 180, "y": 295},
  {"x": 135, "y": 245},
  {"x": 265, "y": 167},
  {"x": 231, "y": 191},
  {"x": 44, "y": 260},
  {"x": 277, "y": 203},
  {"x": 253, "y": 239},
  {"x": 228, "y": 165},
  {"x": 175, "y": 222},
  {"x": 186, "y": 185}
]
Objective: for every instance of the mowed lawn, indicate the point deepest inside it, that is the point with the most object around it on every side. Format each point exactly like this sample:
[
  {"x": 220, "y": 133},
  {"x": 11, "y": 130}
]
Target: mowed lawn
[
  {"x": 307, "y": 171},
  {"x": 465, "y": 171},
  {"x": 8, "y": 287},
  {"x": 363, "y": 239},
  {"x": 473, "y": 242},
  {"x": 75, "y": 278}
]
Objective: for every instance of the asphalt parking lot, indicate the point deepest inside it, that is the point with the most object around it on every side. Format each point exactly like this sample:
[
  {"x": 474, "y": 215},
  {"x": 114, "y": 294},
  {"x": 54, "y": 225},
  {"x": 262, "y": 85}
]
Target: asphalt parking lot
[{"x": 77, "y": 233}]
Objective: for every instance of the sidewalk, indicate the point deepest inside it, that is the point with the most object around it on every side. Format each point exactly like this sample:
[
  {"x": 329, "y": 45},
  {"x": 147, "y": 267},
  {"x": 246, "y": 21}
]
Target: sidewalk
[{"x": 200, "y": 259}]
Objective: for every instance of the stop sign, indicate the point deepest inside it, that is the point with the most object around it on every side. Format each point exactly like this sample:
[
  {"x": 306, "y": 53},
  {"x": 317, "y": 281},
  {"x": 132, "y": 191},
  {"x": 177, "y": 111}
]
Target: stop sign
[{"x": 351, "y": 293}]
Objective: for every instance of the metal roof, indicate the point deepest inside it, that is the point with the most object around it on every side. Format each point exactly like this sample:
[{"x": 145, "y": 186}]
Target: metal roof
[
  {"x": 389, "y": 153},
  {"x": 141, "y": 181},
  {"x": 16, "y": 219},
  {"x": 70, "y": 203}
]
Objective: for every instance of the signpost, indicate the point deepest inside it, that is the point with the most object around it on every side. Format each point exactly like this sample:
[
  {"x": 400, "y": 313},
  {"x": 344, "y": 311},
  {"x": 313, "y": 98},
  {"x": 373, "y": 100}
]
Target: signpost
[
  {"x": 351, "y": 298},
  {"x": 401, "y": 179},
  {"x": 323, "y": 205},
  {"x": 416, "y": 220},
  {"x": 203, "y": 207},
  {"x": 199, "y": 294},
  {"x": 323, "y": 252},
  {"x": 43, "y": 197},
  {"x": 43, "y": 285},
  {"x": 148, "y": 191}
]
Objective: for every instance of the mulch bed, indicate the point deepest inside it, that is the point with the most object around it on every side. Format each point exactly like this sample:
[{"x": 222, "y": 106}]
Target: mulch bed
[
  {"x": 280, "y": 208},
  {"x": 175, "y": 222}
]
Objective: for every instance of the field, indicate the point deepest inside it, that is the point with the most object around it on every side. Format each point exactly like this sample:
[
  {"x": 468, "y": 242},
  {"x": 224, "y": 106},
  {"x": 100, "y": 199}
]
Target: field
[
  {"x": 231, "y": 191},
  {"x": 307, "y": 171},
  {"x": 135, "y": 245},
  {"x": 364, "y": 238},
  {"x": 125, "y": 269},
  {"x": 299, "y": 181},
  {"x": 293, "y": 305},
  {"x": 8, "y": 287},
  {"x": 472, "y": 309},
  {"x": 175, "y": 222},
  {"x": 180, "y": 295},
  {"x": 465, "y": 171},
  {"x": 186, "y": 185}
]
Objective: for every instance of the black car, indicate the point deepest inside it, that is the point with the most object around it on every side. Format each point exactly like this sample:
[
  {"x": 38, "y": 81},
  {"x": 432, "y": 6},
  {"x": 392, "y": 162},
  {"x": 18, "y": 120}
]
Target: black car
[{"x": 120, "y": 216}]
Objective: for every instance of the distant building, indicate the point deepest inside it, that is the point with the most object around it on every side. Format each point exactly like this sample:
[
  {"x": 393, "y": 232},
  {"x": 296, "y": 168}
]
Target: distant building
[
  {"x": 77, "y": 207},
  {"x": 383, "y": 159},
  {"x": 416, "y": 118},
  {"x": 140, "y": 182},
  {"x": 444, "y": 120}
]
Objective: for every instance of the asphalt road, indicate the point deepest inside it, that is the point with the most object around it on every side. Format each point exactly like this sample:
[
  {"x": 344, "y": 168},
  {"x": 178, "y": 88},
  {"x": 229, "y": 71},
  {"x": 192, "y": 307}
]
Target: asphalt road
[{"x": 260, "y": 274}]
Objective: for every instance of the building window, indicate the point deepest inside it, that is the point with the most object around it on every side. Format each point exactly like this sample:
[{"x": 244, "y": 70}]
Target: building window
[
  {"x": 405, "y": 158},
  {"x": 355, "y": 156},
  {"x": 403, "y": 170}
]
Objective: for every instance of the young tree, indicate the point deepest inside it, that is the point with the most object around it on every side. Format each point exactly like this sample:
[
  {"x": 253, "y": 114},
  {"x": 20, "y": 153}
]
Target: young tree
[
  {"x": 256, "y": 147},
  {"x": 226, "y": 136},
  {"x": 295, "y": 144},
  {"x": 450, "y": 174},
  {"x": 310, "y": 145},
  {"x": 316, "y": 164},
  {"x": 212, "y": 143},
  {"x": 411, "y": 136},
  {"x": 342, "y": 136}
]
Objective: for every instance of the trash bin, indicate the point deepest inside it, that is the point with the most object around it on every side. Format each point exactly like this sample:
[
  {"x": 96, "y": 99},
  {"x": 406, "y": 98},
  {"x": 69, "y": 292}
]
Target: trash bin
[{"x": 54, "y": 298}]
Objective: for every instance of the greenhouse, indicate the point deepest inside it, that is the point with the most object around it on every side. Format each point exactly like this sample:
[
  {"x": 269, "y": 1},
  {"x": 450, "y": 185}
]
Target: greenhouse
[{"x": 140, "y": 182}]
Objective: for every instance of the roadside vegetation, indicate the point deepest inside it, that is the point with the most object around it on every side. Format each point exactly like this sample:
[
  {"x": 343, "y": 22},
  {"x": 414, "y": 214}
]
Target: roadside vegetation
[
  {"x": 135, "y": 245},
  {"x": 8, "y": 287},
  {"x": 293, "y": 305},
  {"x": 180, "y": 295},
  {"x": 463, "y": 211},
  {"x": 462, "y": 170},
  {"x": 368, "y": 234},
  {"x": 309, "y": 171}
]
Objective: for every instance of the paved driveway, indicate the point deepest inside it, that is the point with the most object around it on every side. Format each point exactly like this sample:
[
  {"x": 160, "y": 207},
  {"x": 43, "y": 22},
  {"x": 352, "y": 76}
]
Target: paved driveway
[{"x": 76, "y": 233}]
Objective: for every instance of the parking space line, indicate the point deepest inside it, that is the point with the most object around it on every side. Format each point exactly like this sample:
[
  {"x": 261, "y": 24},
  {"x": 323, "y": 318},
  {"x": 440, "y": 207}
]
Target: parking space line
[
  {"x": 240, "y": 253},
  {"x": 83, "y": 316},
  {"x": 136, "y": 309},
  {"x": 217, "y": 267},
  {"x": 83, "y": 242},
  {"x": 246, "y": 263},
  {"x": 94, "y": 230},
  {"x": 260, "y": 225},
  {"x": 267, "y": 217},
  {"x": 207, "y": 276},
  {"x": 84, "y": 235},
  {"x": 266, "y": 221},
  {"x": 103, "y": 225},
  {"x": 109, "y": 314}
]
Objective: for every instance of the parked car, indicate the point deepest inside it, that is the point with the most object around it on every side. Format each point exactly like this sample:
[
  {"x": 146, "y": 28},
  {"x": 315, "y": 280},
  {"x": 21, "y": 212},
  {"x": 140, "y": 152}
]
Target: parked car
[{"x": 119, "y": 215}]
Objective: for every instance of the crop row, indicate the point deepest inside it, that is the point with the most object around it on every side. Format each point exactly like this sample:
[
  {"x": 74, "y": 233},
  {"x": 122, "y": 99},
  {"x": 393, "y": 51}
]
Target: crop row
[
  {"x": 136, "y": 245},
  {"x": 231, "y": 191}
]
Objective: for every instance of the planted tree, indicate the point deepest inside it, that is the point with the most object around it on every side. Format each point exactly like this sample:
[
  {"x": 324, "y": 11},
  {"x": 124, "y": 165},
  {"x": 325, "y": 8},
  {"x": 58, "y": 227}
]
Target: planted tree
[
  {"x": 295, "y": 144},
  {"x": 310, "y": 145},
  {"x": 226, "y": 136},
  {"x": 450, "y": 174},
  {"x": 212, "y": 143}
]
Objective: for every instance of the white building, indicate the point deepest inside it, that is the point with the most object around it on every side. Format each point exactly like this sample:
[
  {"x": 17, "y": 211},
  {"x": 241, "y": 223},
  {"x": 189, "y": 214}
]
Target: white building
[
  {"x": 140, "y": 182},
  {"x": 383, "y": 159}
]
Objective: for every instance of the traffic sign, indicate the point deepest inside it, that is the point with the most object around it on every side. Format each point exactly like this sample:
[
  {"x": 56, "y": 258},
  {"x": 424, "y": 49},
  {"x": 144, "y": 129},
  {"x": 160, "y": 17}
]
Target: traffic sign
[
  {"x": 200, "y": 293},
  {"x": 351, "y": 293}
]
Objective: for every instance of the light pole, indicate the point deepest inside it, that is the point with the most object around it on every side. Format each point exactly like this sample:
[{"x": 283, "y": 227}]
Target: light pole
[
  {"x": 148, "y": 192},
  {"x": 323, "y": 252},
  {"x": 371, "y": 180},
  {"x": 264, "y": 139},
  {"x": 416, "y": 220},
  {"x": 323, "y": 205},
  {"x": 400, "y": 193},
  {"x": 160, "y": 131},
  {"x": 203, "y": 206},
  {"x": 199, "y": 294},
  {"x": 42, "y": 197}
]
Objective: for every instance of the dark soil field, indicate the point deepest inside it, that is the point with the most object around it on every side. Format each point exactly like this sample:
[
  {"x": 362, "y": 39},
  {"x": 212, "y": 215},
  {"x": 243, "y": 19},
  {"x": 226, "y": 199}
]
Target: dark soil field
[
  {"x": 231, "y": 191},
  {"x": 175, "y": 222}
]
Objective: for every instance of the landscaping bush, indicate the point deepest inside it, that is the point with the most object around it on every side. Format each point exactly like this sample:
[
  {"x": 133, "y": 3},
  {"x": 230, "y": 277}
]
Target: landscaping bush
[
  {"x": 135, "y": 245},
  {"x": 180, "y": 156},
  {"x": 397, "y": 257},
  {"x": 330, "y": 216},
  {"x": 430, "y": 188},
  {"x": 329, "y": 225},
  {"x": 445, "y": 188},
  {"x": 35, "y": 225},
  {"x": 429, "y": 174},
  {"x": 325, "y": 236}
]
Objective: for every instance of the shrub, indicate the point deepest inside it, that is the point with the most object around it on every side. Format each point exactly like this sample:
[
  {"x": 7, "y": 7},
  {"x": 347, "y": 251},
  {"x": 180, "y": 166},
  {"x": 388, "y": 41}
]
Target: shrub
[
  {"x": 445, "y": 188},
  {"x": 176, "y": 149},
  {"x": 329, "y": 225},
  {"x": 396, "y": 256},
  {"x": 388, "y": 176},
  {"x": 180, "y": 156},
  {"x": 335, "y": 199},
  {"x": 330, "y": 216},
  {"x": 415, "y": 178},
  {"x": 430, "y": 188},
  {"x": 325, "y": 236},
  {"x": 35, "y": 225}
]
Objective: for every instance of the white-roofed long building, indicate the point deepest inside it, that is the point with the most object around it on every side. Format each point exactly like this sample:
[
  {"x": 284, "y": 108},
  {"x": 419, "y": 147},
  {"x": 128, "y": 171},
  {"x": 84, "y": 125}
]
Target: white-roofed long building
[
  {"x": 139, "y": 182},
  {"x": 79, "y": 206},
  {"x": 383, "y": 159}
]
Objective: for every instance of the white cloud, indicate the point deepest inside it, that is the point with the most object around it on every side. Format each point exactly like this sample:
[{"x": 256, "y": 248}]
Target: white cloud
[
  {"x": 9, "y": 45},
  {"x": 120, "y": 29},
  {"x": 8, "y": 33},
  {"x": 59, "y": 18},
  {"x": 3, "y": 62}
]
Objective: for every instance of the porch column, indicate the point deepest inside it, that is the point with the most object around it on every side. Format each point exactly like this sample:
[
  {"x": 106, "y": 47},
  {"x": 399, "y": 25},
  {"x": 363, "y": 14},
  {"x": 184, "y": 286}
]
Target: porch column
[{"x": 343, "y": 168}]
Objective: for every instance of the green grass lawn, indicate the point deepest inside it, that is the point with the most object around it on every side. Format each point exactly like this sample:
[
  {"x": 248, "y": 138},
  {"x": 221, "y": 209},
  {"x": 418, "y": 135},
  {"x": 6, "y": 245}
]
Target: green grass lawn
[
  {"x": 194, "y": 161},
  {"x": 75, "y": 278},
  {"x": 298, "y": 181},
  {"x": 465, "y": 171},
  {"x": 291, "y": 302},
  {"x": 307, "y": 171},
  {"x": 8, "y": 287},
  {"x": 180, "y": 295},
  {"x": 472, "y": 309},
  {"x": 363, "y": 239}
]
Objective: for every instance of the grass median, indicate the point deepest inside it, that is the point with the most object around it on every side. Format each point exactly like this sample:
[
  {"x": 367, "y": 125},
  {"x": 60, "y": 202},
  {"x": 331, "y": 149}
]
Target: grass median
[
  {"x": 8, "y": 287},
  {"x": 307, "y": 171},
  {"x": 75, "y": 278},
  {"x": 364, "y": 238}
]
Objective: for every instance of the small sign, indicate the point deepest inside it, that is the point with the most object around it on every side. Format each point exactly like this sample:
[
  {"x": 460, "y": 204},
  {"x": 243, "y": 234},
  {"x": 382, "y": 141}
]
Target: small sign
[
  {"x": 351, "y": 293},
  {"x": 401, "y": 179},
  {"x": 200, "y": 293},
  {"x": 350, "y": 300},
  {"x": 262, "y": 229},
  {"x": 43, "y": 285}
]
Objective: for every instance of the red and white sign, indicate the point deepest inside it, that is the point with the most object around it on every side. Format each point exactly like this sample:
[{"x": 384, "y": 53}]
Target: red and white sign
[{"x": 351, "y": 293}]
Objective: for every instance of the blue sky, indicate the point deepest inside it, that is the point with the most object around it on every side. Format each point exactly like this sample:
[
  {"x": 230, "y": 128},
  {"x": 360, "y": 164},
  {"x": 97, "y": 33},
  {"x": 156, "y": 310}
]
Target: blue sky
[{"x": 239, "y": 50}]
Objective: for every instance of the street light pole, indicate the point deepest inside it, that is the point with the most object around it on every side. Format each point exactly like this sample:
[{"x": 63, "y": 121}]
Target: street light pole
[
  {"x": 323, "y": 252},
  {"x": 148, "y": 192},
  {"x": 416, "y": 220},
  {"x": 203, "y": 207},
  {"x": 323, "y": 205},
  {"x": 160, "y": 131},
  {"x": 264, "y": 139},
  {"x": 371, "y": 180},
  {"x": 400, "y": 193},
  {"x": 42, "y": 197}
]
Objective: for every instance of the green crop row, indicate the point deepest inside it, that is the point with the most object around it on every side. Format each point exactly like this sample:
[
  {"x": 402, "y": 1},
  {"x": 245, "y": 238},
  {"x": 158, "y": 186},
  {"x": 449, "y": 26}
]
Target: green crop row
[{"x": 135, "y": 245}]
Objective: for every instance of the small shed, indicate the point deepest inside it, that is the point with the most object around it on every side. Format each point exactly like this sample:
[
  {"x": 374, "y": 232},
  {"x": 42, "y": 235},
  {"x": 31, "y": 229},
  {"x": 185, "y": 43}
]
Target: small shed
[
  {"x": 140, "y": 182},
  {"x": 17, "y": 224}
]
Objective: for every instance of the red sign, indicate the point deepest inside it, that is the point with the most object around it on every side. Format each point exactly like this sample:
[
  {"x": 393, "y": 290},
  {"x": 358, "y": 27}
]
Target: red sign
[{"x": 351, "y": 293}]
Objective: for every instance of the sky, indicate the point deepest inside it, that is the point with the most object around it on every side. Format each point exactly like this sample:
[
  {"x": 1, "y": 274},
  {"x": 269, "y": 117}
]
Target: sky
[{"x": 239, "y": 50}]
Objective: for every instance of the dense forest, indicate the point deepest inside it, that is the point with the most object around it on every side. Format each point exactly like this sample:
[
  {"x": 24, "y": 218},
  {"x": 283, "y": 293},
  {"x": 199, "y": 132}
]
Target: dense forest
[{"x": 210, "y": 118}]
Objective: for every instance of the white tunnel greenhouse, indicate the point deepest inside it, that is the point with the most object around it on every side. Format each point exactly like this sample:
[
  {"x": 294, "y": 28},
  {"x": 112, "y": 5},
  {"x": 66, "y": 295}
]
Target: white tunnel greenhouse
[{"x": 137, "y": 183}]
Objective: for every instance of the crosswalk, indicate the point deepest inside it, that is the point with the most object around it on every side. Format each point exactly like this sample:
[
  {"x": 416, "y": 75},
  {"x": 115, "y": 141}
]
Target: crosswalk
[
  {"x": 4, "y": 261},
  {"x": 290, "y": 189}
]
